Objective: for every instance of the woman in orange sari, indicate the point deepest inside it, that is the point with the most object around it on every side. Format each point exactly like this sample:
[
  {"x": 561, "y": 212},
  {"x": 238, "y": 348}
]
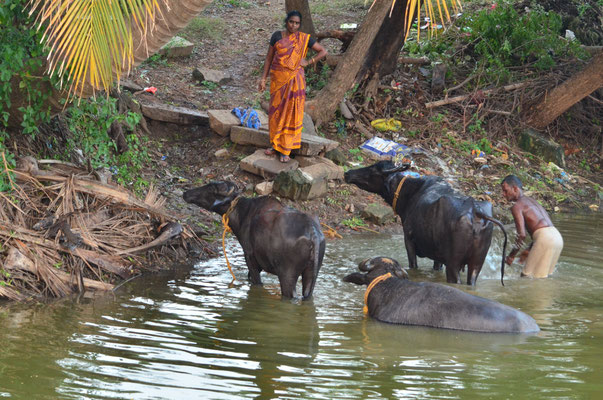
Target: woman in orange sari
[{"x": 285, "y": 62}]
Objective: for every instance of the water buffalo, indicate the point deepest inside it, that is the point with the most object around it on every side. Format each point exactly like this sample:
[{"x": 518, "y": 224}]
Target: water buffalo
[
  {"x": 276, "y": 239},
  {"x": 397, "y": 300},
  {"x": 438, "y": 223}
]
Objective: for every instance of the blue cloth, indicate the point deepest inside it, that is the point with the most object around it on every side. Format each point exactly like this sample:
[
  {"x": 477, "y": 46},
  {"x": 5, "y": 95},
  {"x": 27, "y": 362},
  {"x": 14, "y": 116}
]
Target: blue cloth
[{"x": 248, "y": 117}]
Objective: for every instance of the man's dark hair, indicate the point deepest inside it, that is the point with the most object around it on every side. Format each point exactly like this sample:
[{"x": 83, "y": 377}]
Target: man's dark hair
[
  {"x": 512, "y": 180},
  {"x": 293, "y": 13}
]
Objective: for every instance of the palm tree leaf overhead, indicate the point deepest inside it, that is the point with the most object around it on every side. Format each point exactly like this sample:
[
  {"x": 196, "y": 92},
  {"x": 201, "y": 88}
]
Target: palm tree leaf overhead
[
  {"x": 413, "y": 8},
  {"x": 96, "y": 42}
]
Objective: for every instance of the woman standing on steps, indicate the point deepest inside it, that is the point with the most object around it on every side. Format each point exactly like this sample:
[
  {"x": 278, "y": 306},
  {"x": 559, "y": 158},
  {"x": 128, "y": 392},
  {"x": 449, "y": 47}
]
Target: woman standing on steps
[{"x": 285, "y": 62}]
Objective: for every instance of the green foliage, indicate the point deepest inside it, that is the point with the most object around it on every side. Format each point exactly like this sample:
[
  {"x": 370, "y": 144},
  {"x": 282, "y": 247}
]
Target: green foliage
[
  {"x": 21, "y": 56},
  {"x": 89, "y": 123},
  {"x": 341, "y": 128},
  {"x": 155, "y": 61},
  {"x": 353, "y": 222},
  {"x": 357, "y": 153},
  {"x": 505, "y": 39},
  {"x": 316, "y": 80},
  {"x": 210, "y": 86}
]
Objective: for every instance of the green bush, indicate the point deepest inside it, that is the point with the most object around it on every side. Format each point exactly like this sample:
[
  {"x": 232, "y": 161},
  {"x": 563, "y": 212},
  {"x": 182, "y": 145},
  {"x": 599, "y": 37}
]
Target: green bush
[
  {"x": 89, "y": 123},
  {"x": 505, "y": 39},
  {"x": 21, "y": 56}
]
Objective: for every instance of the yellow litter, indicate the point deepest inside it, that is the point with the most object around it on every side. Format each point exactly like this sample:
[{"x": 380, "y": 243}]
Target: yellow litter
[{"x": 383, "y": 124}]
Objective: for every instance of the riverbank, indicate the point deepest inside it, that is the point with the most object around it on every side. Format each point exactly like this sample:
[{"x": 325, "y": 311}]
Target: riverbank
[
  {"x": 472, "y": 143},
  {"x": 446, "y": 135}
]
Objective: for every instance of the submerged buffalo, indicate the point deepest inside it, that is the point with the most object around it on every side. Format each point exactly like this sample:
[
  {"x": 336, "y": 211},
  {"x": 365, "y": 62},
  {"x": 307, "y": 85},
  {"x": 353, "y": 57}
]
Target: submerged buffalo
[
  {"x": 438, "y": 223},
  {"x": 394, "y": 299},
  {"x": 276, "y": 239}
]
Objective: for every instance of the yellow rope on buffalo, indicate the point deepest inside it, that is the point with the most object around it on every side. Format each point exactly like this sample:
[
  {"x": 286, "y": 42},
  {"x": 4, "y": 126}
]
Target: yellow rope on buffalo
[
  {"x": 398, "y": 193},
  {"x": 370, "y": 287},
  {"x": 227, "y": 229}
]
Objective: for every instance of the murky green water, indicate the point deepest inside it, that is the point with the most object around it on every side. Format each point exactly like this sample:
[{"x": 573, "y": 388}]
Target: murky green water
[{"x": 190, "y": 336}]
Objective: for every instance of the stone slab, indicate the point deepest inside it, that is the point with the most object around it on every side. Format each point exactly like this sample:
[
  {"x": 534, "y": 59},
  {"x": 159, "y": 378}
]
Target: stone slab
[
  {"x": 266, "y": 166},
  {"x": 298, "y": 185},
  {"x": 177, "y": 47},
  {"x": 264, "y": 188},
  {"x": 220, "y": 121},
  {"x": 176, "y": 115},
  {"x": 536, "y": 143},
  {"x": 320, "y": 165},
  {"x": 211, "y": 75},
  {"x": 310, "y": 146}
]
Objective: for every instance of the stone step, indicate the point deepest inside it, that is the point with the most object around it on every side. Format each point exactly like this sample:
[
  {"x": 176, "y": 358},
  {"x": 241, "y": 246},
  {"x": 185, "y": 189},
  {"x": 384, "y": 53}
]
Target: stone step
[
  {"x": 310, "y": 146},
  {"x": 220, "y": 121},
  {"x": 176, "y": 115},
  {"x": 266, "y": 166},
  {"x": 211, "y": 75},
  {"x": 298, "y": 185}
]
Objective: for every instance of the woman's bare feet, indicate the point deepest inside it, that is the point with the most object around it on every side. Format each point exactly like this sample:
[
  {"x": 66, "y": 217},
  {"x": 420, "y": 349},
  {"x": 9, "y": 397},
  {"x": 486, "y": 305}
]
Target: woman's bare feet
[
  {"x": 270, "y": 152},
  {"x": 284, "y": 158}
]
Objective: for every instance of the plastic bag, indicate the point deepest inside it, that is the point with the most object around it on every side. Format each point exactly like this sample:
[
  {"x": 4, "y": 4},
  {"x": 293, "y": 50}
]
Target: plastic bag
[{"x": 248, "y": 116}]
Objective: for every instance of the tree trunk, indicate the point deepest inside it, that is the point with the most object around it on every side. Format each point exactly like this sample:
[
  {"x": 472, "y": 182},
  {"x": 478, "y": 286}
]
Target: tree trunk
[
  {"x": 321, "y": 108},
  {"x": 382, "y": 57},
  {"x": 303, "y": 7},
  {"x": 561, "y": 98}
]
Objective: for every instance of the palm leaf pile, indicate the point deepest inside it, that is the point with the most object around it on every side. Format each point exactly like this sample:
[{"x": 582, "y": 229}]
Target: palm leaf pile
[{"x": 63, "y": 232}]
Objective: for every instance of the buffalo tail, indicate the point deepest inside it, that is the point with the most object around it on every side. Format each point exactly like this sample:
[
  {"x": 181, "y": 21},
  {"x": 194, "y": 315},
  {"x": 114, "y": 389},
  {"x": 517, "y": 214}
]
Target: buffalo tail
[{"x": 497, "y": 222}]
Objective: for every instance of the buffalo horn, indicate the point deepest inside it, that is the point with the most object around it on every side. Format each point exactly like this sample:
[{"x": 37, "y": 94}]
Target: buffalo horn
[
  {"x": 363, "y": 265},
  {"x": 396, "y": 168}
]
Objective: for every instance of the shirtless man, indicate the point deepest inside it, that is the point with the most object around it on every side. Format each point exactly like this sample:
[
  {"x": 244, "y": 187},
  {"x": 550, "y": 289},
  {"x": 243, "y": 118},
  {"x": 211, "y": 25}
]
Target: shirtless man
[{"x": 531, "y": 216}]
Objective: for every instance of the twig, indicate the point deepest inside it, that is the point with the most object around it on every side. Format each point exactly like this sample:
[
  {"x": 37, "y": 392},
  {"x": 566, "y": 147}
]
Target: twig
[
  {"x": 332, "y": 229},
  {"x": 458, "y": 99},
  {"x": 367, "y": 229}
]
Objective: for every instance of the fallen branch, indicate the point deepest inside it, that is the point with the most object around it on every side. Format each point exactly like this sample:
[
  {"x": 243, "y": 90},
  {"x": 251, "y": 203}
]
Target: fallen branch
[
  {"x": 413, "y": 60},
  {"x": 458, "y": 99},
  {"x": 170, "y": 231},
  {"x": 16, "y": 260},
  {"x": 99, "y": 190}
]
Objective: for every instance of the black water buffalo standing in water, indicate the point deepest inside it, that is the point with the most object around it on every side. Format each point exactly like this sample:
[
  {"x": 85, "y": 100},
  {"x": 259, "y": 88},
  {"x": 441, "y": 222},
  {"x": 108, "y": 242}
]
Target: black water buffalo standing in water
[
  {"x": 397, "y": 300},
  {"x": 438, "y": 223},
  {"x": 276, "y": 239}
]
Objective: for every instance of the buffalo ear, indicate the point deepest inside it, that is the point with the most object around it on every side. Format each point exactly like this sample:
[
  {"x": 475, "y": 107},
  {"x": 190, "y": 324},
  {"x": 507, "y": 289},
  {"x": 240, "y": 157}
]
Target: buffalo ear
[
  {"x": 357, "y": 278},
  {"x": 401, "y": 273}
]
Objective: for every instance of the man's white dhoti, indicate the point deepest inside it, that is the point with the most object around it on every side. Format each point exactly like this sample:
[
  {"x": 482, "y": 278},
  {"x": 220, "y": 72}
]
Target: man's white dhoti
[{"x": 544, "y": 254}]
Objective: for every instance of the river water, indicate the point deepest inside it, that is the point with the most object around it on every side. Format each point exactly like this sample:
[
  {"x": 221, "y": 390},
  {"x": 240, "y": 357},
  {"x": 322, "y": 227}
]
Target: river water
[{"x": 191, "y": 334}]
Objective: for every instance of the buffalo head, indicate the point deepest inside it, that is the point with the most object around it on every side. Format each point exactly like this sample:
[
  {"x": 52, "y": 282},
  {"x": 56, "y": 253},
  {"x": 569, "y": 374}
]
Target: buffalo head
[
  {"x": 215, "y": 196},
  {"x": 372, "y": 178},
  {"x": 375, "y": 267}
]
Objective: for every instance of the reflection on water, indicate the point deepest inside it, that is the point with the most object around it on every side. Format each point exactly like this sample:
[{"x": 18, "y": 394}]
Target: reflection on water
[{"x": 191, "y": 335}]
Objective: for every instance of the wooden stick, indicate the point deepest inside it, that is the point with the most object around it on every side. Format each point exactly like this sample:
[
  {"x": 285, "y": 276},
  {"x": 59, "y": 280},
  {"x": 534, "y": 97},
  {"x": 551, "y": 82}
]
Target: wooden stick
[
  {"x": 458, "y": 99},
  {"x": 331, "y": 229}
]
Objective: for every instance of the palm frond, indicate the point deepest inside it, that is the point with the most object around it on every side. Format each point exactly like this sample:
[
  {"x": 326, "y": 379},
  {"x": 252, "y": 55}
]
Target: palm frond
[
  {"x": 413, "y": 9},
  {"x": 91, "y": 40}
]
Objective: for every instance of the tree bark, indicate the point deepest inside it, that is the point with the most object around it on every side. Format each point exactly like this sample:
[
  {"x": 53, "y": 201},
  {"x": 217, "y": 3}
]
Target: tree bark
[
  {"x": 382, "y": 57},
  {"x": 551, "y": 105},
  {"x": 321, "y": 108},
  {"x": 303, "y": 7}
]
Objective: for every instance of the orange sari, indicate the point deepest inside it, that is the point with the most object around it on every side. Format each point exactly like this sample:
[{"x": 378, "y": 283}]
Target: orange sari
[{"x": 287, "y": 92}]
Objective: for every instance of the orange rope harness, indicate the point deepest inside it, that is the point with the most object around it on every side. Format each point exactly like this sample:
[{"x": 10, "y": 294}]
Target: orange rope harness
[
  {"x": 398, "y": 193},
  {"x": 227, "y": 229},
  {"x": 370, "y": 287}
]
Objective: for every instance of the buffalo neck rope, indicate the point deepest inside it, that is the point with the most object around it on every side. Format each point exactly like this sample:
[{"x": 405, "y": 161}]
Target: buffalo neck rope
[
  {"x": 398, "y": 193},
  {"x": 370, "y": 287},
  {"x": 227, "y": 229}
]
